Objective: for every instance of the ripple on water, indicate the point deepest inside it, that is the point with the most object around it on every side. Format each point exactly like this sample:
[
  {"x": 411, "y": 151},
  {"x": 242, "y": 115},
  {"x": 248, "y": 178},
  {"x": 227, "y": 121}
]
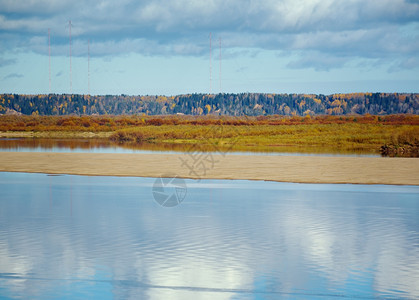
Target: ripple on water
[{"x": 228, "y": 239}]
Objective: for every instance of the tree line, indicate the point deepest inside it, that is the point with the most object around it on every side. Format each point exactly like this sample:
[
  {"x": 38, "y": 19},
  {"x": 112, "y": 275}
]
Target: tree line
[{"x": 250, "y": 104}]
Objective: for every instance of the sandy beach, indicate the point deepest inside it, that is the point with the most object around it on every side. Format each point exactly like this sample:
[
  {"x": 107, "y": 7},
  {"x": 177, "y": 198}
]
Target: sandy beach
[{"x": 302, "y": 169}]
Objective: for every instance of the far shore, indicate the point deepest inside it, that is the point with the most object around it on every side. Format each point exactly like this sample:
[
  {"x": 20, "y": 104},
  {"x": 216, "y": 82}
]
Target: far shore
[
  {"x": 300, "y": 169},
  {"x": 55, "y": 134}
]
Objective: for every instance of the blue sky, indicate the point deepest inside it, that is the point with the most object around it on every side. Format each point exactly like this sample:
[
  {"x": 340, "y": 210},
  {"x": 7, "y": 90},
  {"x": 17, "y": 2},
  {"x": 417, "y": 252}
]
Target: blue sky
[{"x": 162, "y": 47}]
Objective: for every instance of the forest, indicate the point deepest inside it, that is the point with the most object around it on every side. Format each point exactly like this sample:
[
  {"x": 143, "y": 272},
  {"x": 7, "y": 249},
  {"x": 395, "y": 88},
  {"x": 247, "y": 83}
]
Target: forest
[{"x": 244, "y": 104}]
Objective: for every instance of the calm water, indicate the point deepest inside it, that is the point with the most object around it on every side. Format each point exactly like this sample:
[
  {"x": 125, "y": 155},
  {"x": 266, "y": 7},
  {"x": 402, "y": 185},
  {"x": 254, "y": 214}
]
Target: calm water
[
  {"x": 106, "y": 146},
  {"x": 75, "y": 237}
]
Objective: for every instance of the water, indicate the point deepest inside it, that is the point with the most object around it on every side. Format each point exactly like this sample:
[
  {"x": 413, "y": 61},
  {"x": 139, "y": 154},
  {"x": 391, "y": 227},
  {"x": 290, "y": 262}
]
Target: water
[
  {"x": 75, "y": 237},
  {"x": 106, "y": 146}
]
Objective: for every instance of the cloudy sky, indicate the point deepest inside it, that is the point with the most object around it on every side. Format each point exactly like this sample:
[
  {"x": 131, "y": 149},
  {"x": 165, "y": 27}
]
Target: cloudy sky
[{"x": 163, "y": 47}]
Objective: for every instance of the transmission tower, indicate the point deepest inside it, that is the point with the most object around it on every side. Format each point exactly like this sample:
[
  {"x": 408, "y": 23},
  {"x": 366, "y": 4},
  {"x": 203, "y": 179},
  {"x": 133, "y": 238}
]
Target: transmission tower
[
  {"x": 49, "y": 58},
  {"x": 71, "y": 78},
  {"x": 220, "y": 63},
  {"x": 88, "y": 67},
  {"x": 210, "y": 63}
]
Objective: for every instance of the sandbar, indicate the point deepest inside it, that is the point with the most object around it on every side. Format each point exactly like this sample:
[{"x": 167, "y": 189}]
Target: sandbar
[{"x": 301, "y": 169}]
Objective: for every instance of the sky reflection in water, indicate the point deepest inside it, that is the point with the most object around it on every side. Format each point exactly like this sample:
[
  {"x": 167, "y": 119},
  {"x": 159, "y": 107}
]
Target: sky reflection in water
[{"x": 105, "y": 237}]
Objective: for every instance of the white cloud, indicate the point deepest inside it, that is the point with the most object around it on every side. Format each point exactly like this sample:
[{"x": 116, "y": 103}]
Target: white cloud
[
  {"x": 381, "y": 29},
  {"x": 12, "y": 75},
  {"x": 6, "y": 62},
  {"x": 318, "y": 61}
]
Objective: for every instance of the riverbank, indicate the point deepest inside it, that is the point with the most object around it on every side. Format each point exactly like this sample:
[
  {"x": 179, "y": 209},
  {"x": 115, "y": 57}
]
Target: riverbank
[
  {"x": 300, "y": 169},
  {"x": 329, "y": 134},
  {"x": 55, "y": 134}
]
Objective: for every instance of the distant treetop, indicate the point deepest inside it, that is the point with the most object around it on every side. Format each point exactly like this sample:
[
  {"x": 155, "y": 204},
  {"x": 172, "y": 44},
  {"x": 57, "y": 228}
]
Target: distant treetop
[{"x": 251, "y": 104}]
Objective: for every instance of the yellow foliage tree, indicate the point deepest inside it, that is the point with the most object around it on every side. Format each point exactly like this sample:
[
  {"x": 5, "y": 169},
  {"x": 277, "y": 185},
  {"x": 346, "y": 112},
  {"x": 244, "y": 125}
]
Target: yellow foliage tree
[
  {"x": 318, "y": 101},
  {"x": 336, "y": 103},
  {"x": 208, "y": 107}
]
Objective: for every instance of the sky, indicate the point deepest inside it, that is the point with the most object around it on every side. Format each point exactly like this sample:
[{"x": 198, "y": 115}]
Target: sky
[{"x": 162, "y": 47}]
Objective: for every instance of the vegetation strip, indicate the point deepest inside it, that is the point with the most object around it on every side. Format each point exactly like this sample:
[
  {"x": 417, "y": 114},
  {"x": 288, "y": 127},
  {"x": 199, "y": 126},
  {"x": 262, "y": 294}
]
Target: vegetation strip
[{"x": 395, "y": 135}]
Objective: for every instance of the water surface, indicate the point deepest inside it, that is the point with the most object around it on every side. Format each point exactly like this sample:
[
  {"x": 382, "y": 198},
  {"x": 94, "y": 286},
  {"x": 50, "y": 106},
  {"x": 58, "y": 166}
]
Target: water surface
[
  {"x": 107, "y": 146},
  {"x": 76, "y": 237}
]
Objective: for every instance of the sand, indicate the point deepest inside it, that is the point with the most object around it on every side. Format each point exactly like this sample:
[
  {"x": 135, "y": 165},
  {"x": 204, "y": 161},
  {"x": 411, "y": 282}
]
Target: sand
[{"x": 302, "y": 169}]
